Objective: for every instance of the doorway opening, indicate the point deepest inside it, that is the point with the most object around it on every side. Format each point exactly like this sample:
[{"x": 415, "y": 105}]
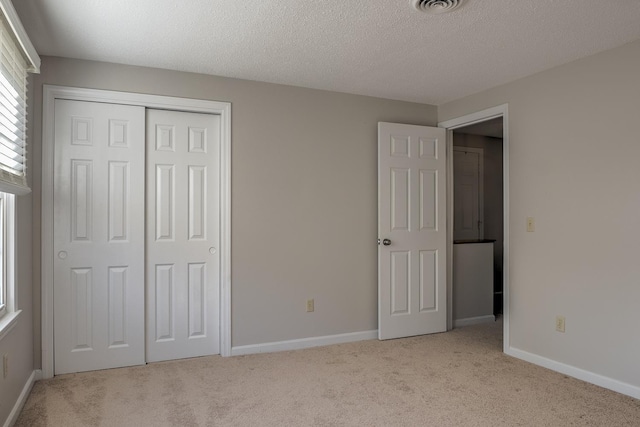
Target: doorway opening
[
  {"x": 477, "y": 223},
  {"x": 478, "y": 219}
]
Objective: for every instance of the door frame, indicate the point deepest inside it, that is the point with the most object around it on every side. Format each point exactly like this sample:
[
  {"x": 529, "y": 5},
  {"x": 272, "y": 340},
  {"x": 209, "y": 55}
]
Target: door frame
[
  {"x": 223, "y": 109},
  {"x": 480, "y": 153},
  {"x": 450, "y": 125}
]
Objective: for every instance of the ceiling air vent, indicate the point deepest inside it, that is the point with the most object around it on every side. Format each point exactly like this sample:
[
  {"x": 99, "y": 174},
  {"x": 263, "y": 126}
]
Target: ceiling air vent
[{"x": 435, "y": 7}]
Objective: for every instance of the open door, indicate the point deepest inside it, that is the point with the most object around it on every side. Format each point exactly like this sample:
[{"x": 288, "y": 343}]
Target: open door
[{"x": 412, "y": 298}]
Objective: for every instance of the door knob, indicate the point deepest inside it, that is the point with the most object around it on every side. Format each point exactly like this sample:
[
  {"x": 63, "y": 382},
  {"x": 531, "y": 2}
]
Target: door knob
[
  {"x": 386, "y": 242},
  {"x": 62, "y": 254}
]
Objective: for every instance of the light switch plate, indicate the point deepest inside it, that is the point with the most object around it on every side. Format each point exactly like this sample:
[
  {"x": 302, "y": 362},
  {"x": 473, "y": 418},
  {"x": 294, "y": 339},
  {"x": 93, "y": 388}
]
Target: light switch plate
[{"x": 531, "y": 225}]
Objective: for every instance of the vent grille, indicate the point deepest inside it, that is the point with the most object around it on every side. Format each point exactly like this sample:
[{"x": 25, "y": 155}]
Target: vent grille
[{"x": 436, "y": 7}]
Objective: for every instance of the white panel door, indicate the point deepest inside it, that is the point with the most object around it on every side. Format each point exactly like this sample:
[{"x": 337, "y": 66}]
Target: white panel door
[
  {"x": 98, "y": 236},
  {"x": 183, "y": 234},
  {"x": 412, "y": 230},
  {"x": 467, "y": 194}
]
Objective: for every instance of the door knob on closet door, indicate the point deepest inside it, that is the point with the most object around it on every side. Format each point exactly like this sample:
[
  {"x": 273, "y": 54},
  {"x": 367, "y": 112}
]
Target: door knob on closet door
[
  {"x": 386, "y": 242},
  {"x": 62, "y": 254}
]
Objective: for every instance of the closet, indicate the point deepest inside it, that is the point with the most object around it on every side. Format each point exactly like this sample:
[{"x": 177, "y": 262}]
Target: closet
[{"x": 136, "y": 235}]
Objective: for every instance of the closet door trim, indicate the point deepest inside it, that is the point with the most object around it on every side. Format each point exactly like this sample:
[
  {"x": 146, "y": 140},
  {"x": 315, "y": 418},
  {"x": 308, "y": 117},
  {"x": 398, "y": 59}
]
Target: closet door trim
[{"x": 223, "y": 109}]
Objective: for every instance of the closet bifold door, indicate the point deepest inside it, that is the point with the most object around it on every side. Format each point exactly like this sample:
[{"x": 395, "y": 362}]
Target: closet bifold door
[
  {"x": 98, "y": 236},
  {"x": 183, "y": 234}
]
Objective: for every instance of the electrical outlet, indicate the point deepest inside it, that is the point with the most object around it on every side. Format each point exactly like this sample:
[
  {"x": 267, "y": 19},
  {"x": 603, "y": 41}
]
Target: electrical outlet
[
  {"x": 310, "y": 305},
  {"x": 5, "y": 366},
  {"x": 531, "y": 225},
  {"x": 560, "y": 323}
]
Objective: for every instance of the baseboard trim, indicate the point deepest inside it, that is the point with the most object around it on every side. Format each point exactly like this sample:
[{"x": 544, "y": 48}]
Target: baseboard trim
[
  {"x": 22, "y": 399},
  {"x": 272, "y": 347},
  {"x": 572, "y": 371},
  {"x": 458, "y": 323}
]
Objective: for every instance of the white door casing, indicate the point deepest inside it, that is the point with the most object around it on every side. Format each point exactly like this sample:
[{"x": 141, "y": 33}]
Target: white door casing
[
  {"x": 183, "y": 234},
  {"x": 412, "y": 282},
  {"x": 98, "y": 236},
  {"x": 468, "y": 204},
  {"x": 450, "y": 126}
]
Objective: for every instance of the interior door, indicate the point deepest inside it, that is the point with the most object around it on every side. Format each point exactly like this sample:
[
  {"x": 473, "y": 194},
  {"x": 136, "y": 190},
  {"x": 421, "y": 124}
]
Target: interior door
[
  {"x": 467, "y": 194},
  {"x": 183, "y": 234},
  {"x": 98, "y": 236},
  {"x": 412, "y": 230}
]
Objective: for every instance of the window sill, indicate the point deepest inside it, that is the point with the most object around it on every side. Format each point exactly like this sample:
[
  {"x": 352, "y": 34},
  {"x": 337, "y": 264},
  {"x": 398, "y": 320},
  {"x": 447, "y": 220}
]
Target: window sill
[{"x": 7, "y": 323}]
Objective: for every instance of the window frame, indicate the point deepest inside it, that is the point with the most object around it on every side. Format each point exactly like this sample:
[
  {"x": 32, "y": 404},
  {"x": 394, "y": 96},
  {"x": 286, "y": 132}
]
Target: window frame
[
  {"x": 10, "y": 311},
  {"x": 3, "y": 263}
]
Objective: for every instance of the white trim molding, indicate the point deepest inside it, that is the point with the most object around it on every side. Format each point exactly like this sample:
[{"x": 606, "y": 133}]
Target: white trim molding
[
  {"x": 477, "y": 117},
  {"x": 572, "y": 371},
  {"x": 8, "y": 322},
  {"x": 450, "y": 125},
  {"x": 23, "y": 39},
  {"x": 223, "y": 109},
  {"x": 22, "y": 399},
  {"x": 299, "y": 344}
]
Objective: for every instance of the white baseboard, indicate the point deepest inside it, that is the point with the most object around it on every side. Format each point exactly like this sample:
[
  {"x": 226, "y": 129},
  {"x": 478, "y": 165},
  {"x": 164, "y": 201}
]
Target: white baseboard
[
  {"x": 572, "y": 371},
  {"x": 299, "y": 344},
  {"x": 458, "y": 323},
  {"x": 15, "y": 412}
]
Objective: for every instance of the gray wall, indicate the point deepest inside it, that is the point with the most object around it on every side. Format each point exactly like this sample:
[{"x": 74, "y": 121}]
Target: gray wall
[
  {"x": 304, "y": 195},
  {"x": 574, "y": 150}
]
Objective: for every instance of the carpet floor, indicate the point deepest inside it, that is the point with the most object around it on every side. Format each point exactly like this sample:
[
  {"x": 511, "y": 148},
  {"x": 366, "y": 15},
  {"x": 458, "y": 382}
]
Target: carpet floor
[{"x": 459, "y": 378}]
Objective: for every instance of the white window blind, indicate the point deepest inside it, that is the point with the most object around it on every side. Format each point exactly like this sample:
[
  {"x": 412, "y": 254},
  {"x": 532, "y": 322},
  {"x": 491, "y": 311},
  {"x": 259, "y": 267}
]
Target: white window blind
[{"x": 13, "y": 109}]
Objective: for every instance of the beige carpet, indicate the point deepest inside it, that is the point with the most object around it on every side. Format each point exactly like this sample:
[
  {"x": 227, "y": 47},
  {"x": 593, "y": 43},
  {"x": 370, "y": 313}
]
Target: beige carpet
[{"x": 459, "y": 378}]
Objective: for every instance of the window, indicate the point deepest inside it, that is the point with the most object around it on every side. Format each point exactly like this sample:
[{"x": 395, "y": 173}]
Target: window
[
  {"x": 8, "y": 297},
  {"x": 7, "y": 279},
  {"x": 17, "y": 58},
  {"x": 3, "y": 281}
]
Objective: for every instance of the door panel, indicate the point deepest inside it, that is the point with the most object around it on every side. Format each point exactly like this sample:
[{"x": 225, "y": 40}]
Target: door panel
[
  {"x": 411, "y": 214},
  {"x": 98, "y": 236},
  {"x": 182, "y": 235}
]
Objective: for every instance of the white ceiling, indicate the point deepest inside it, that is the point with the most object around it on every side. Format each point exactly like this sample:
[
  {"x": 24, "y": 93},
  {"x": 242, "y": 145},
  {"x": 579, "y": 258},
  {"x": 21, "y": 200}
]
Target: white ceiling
[{"x": 381, "y": 48}]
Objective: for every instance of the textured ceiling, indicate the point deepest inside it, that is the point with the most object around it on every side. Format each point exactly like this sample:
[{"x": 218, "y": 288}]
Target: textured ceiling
[{"x": 381, "y": 48}]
